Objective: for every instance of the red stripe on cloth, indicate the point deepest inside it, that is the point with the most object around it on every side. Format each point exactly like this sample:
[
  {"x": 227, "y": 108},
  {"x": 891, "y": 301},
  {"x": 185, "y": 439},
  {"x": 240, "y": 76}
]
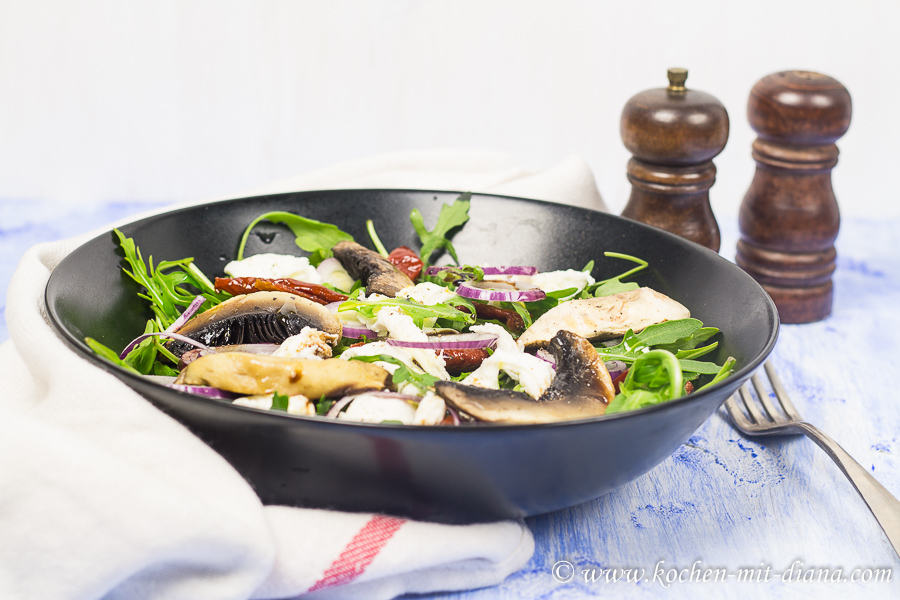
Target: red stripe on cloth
[{"x": 360, "y": 552}]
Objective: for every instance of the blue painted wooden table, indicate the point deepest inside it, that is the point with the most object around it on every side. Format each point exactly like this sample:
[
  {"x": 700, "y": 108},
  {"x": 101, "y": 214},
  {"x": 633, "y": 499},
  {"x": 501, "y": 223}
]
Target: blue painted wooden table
[{"x": 756, "y": 518}]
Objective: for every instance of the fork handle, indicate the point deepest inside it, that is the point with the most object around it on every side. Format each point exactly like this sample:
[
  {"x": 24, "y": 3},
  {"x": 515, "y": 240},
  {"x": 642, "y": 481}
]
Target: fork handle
[{"x": 881, "y": 502}]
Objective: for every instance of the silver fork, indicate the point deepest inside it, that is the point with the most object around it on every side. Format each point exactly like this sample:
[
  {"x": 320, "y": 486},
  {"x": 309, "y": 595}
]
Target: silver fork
[{"x": 883, "y": 505}]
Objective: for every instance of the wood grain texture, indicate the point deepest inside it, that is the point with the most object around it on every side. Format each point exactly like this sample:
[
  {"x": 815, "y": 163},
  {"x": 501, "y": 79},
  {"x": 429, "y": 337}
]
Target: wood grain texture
[
  {"x": 789, "y": 217},
  {"x": 673, "y": 134}
]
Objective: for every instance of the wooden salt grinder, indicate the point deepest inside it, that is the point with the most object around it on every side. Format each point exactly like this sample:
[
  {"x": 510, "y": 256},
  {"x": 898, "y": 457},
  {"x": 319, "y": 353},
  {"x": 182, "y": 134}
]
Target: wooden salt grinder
[
  {"x": 673, "y": 134},
  {"x": 789, "y": 218}
]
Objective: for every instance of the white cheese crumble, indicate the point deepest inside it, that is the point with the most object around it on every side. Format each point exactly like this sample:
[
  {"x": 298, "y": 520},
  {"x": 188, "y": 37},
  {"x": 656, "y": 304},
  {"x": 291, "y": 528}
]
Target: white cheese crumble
[
  {"x": 554, "y": 281},
  {"x": 310, "y": 344},
  {"x": 428, "y": 294},
  {"x": 420, "y": 361},
  {"x": 430, "y": 411},
  {"x": 273, "y": 266},
  {"x": 369, "y": 408},
  {"x": 532, "y": 373},
  {"x": 297, "y": 405},
  {"x": 397, "y": 325}
]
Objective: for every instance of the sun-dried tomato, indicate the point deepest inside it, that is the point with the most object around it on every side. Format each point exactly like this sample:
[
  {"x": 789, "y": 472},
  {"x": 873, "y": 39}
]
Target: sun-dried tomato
[
  {"x": 311, "y": 291},
  {"x": 407, "y": 261}
]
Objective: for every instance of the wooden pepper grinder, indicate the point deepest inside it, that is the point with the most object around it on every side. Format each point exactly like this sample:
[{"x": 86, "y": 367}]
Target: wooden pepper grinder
[
  {"x": 789, "y": 218},
  {"x": 674, "y": 133}
]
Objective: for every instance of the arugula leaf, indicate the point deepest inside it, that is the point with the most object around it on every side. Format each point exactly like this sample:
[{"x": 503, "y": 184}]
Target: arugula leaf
[
  {"x": 109, "y": 354},
  {"x": 279, "y": 401},
  {"x": 612, "y": 287},
  {"x": 615, "y": 285},
  {"x": 451, "y": 215},
  {"x": 696, "y": 366},
  {"x": 324, "y": 405},
  {"x": 163, "y": 290},
  {"x": 418, "y": 312},
  {"x": 655, "y": 377},
  {"x": 403, "y": 374},
  {"x": 724, "y": 372},
  {"x": 311, "y": 235},
  {"x": 376, "y": 241},
  {"x": 143, "y": 355},
  {"x": 695, "y": 352}
]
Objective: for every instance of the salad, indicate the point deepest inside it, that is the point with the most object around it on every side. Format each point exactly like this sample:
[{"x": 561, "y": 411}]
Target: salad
[{"x": 354, "y": 334}]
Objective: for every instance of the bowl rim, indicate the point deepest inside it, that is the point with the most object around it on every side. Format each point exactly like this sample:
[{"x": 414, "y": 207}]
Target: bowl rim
[{"x": 740, "y": 375}]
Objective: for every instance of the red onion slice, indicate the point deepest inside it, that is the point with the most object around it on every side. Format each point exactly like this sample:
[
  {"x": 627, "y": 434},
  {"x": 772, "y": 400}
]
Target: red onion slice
[
  {"x": 511, "y": 270},
  {"x": 337, "y": 406},
  {"x": 333, "y": 306},
  {"x": 168, "y": 334},
  {"x": 545, "y": 356},
  {"x": 205, "y": 391},
  {"x": 467, "y": 290},
  {"x": 358, "y": 332},
  {"x": 192, "y": 308},
  {"x": 453, "y": 415},
  {"x": 461, "y": 341}
]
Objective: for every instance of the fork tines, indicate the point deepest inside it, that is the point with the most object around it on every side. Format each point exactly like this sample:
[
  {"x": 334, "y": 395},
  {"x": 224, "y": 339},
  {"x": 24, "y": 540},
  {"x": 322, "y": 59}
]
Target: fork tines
[{"x": 755, "y": 418}]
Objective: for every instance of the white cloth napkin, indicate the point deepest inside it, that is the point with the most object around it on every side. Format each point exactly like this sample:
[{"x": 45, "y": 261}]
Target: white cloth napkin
[{"x": 103, "y": 496}]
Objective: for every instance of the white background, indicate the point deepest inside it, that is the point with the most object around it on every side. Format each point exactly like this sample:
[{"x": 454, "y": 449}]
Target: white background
[{"x": 167, "y": 101}]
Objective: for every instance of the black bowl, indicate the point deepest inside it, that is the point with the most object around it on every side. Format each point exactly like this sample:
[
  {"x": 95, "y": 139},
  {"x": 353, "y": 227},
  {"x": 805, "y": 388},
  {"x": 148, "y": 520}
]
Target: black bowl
[{"x": 462, "y": 474}]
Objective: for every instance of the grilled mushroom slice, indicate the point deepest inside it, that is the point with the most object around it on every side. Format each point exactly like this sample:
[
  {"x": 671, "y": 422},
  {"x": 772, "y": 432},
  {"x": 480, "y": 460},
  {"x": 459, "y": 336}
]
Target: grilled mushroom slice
[
  {"x": 582, "y": 388},
  {"x": 379, "y": 274},
  {"x": 258, "y": 318},
  {"x": 604, "y": 318},
  {"x": 253, "y": 374}
]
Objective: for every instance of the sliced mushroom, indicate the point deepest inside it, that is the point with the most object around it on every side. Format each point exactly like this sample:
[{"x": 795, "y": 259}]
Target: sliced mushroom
[
  {"x": 379, "y": 275},
  {"x": 604, "y": 318},
  {"x": 581, "y": 389},
  {"x": 258, "y": 318},
  {"x": 253, "y": 374}
]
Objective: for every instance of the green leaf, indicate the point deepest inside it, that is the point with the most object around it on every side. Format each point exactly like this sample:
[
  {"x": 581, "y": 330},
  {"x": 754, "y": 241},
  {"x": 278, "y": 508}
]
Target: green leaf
[
  {"x": 451, "y": 215},
  {"x": 143, "y": 355},
  {"x": 311, "y": 235},
  {"x": 370, "y": 227},
  {"x": 403, "y": 374},
  {"x": 109, "y": 354},
  {"x": 696, "y": 352},
  {"x": 703, "y": 368},
  {"x": 655, "y": 377},
  {"x": 612, "y": 287},
  {"x": 279, "y": 402},
  {"x": 417, "y": 311},
  {"x": 724, "y": 372},
  {"x": 669, "y": 332},
  {"x": 324, "y": 405}
]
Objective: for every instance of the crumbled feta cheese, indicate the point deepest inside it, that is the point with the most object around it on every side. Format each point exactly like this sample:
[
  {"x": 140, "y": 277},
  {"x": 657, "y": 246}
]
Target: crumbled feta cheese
[
  {"x": 398, "y": 325},
  {"x": 554, "y": 281},
  {"x": 370, "y": 408},
  {"x": 420, "y": 361},
  {"x": 274, "y": 266},
  {"x": 427, "y": 293},
  {"x": 532, "y": 373},
  {"x": 297, "y": 405},
  {"x": 310, "y": 344},
  {"x": 431, "y": 410},
  {"x": 505, "y": 342}
]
